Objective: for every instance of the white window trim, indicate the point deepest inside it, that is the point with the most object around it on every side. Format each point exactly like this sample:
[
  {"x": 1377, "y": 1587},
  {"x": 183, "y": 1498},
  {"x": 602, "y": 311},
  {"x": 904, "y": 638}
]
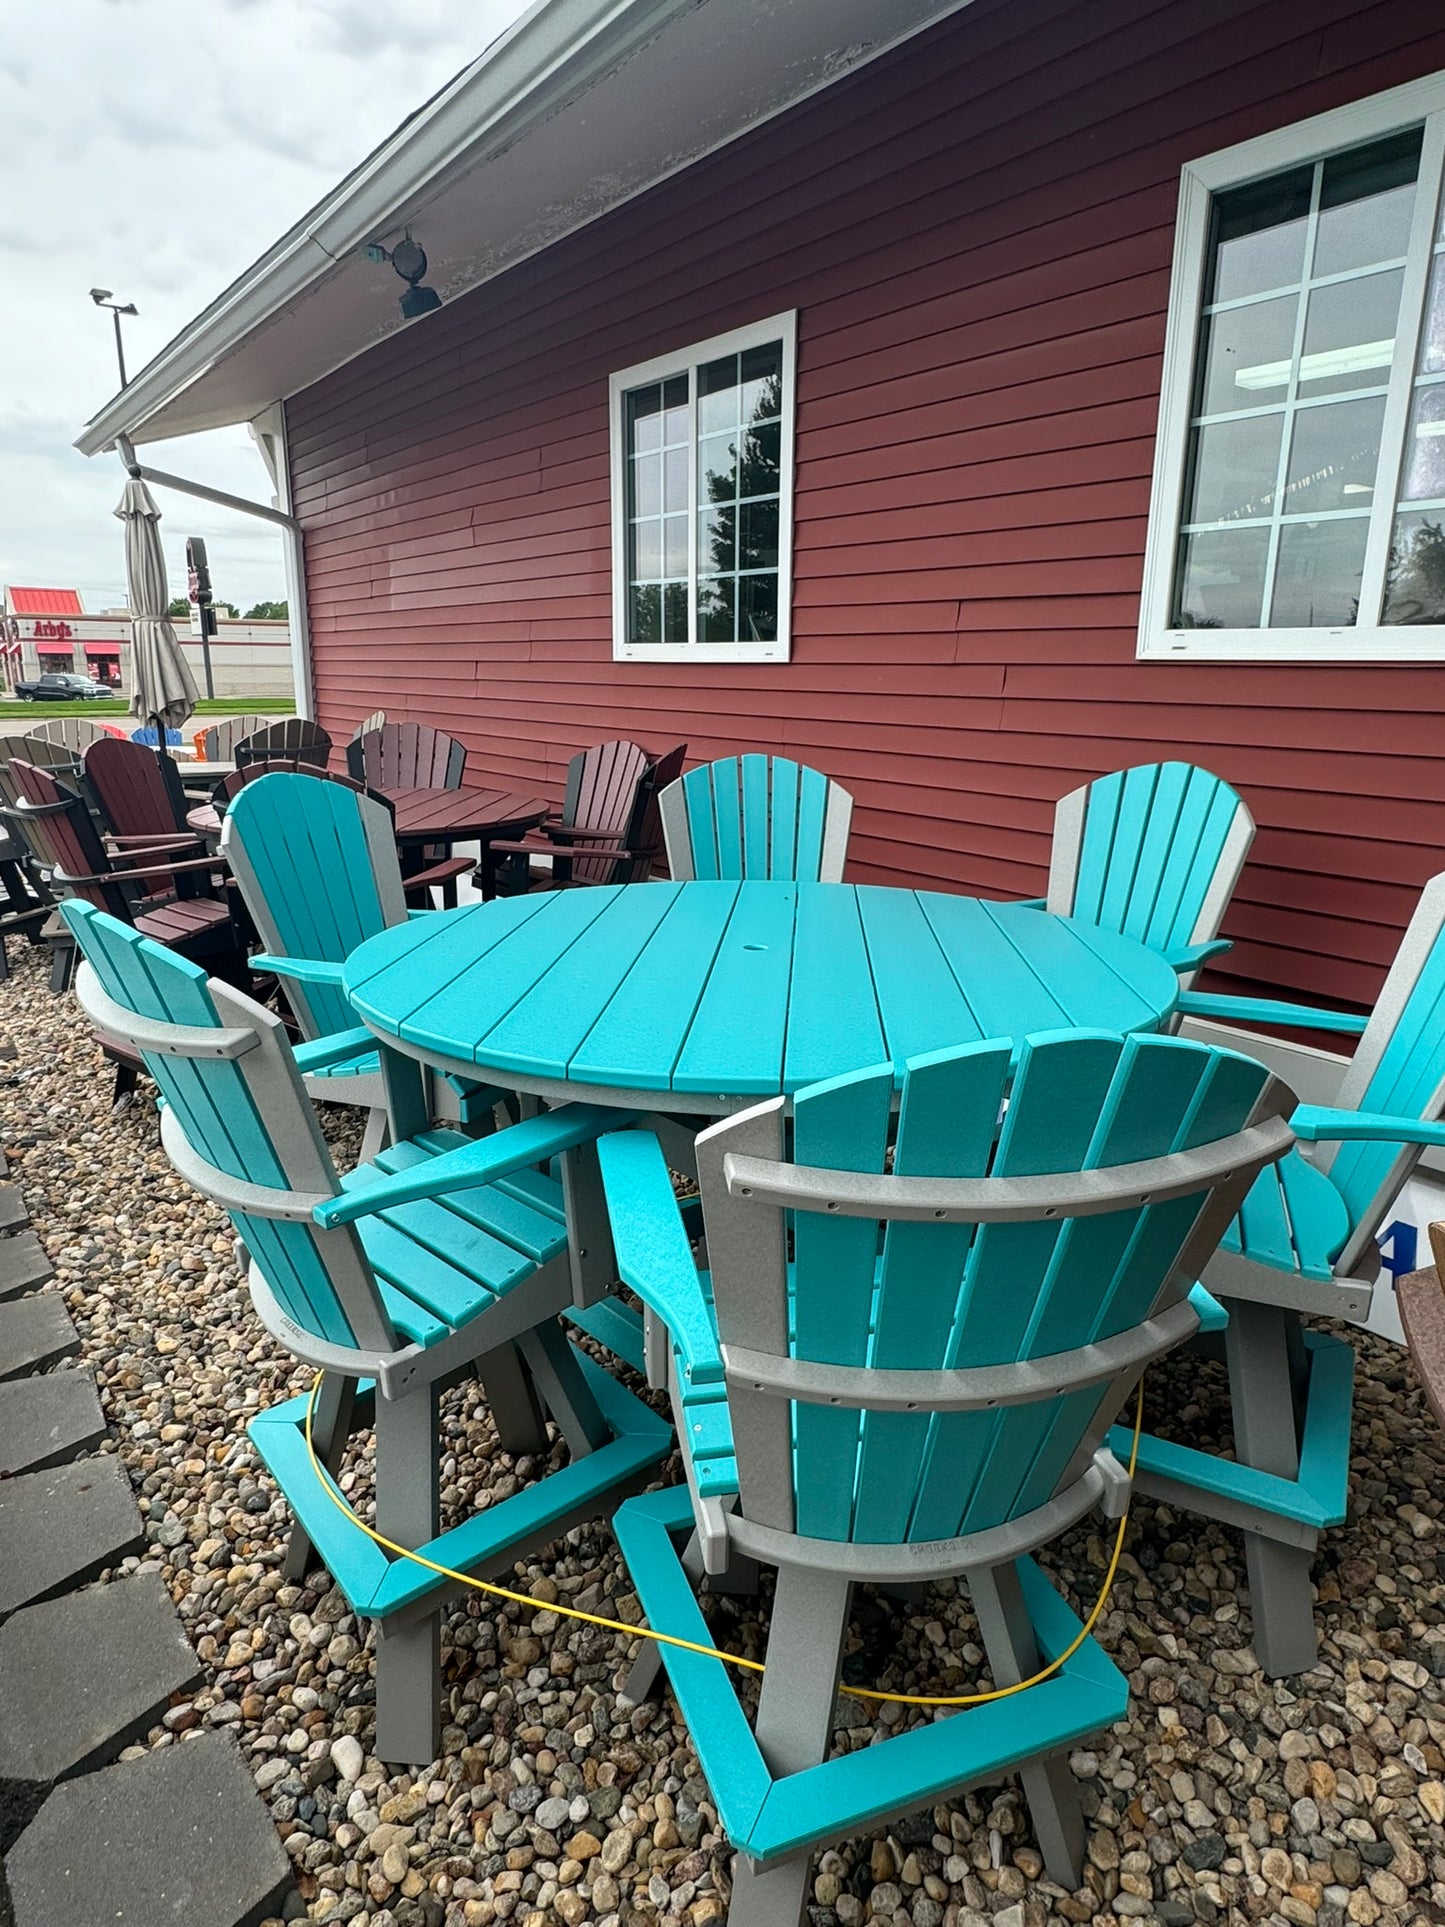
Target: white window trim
[
  {"x": 1309, "y": 140},
  {"x": 782, "y": 327}
]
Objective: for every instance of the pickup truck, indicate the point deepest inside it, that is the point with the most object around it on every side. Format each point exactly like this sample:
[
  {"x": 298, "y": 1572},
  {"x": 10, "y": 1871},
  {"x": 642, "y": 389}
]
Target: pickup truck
[{"x": 59, "y": 688}]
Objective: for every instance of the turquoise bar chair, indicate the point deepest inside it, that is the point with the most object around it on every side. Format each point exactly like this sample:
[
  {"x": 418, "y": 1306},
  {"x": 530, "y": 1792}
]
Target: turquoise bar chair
[
  {"x": 755, "y": 816},
  {"x": 905, "y": 1371},
  {"x": 443, "y": 1255},
  {"x": 317, "y": 869},
  {"x": 1303, "y": 1245},
  {"x": 1154, "y": 852}
]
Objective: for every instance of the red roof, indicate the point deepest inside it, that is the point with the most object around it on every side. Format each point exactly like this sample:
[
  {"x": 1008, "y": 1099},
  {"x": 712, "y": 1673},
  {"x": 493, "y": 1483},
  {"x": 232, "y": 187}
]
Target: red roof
[{"x": 44, "y": 602}]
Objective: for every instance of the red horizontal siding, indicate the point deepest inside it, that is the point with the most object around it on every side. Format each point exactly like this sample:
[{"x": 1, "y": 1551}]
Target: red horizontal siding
[{"x": 976, "y": 234}]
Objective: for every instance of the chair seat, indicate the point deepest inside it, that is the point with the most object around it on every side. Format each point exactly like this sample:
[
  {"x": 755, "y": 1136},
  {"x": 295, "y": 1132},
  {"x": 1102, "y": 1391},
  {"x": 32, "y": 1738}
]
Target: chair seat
[
  {"x": 441, "y": 1262},
  {"x": 188, "y": 918},
  {"x": 1292, "y": 1219},
  {"x": 363, "y": 1064}
]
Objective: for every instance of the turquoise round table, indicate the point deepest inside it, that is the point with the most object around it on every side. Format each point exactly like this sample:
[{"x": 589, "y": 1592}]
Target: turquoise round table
[{"x": 719, "y": 994}]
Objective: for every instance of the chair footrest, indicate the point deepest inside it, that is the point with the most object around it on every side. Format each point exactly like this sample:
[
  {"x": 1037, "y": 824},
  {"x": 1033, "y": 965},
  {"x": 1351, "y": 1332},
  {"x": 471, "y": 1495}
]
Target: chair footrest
[
  {"x": 771, "y": 1818},
  {"x": 379, "y": 1584},
  {"x": 1316, "y": 1499}
]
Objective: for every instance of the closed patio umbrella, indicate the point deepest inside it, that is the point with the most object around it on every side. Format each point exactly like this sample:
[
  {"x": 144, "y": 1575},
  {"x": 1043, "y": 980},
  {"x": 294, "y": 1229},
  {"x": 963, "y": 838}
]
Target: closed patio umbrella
[{"x": 163, "y": 689}]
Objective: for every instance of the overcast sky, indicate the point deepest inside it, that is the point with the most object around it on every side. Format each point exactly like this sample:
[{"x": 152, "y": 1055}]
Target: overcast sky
[{"x": 156, "y": 148}]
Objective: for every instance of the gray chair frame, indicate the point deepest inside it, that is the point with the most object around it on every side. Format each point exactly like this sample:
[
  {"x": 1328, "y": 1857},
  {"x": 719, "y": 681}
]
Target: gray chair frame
[{"x": 747, "y": 1186}]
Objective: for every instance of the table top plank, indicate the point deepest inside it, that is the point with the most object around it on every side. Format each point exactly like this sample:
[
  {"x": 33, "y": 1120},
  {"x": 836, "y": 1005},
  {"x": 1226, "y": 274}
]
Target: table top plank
[
  {"x": 637, "y": 1040},
  {"x": 541, "y": 1032},
  {"x": 919, "y": 996},
  {"x": 423, "y": 979},
  {"x": 832, "y": 1008},
  {"x": 1026, "y": 978},
  {"x": 736, "y": 1040}
]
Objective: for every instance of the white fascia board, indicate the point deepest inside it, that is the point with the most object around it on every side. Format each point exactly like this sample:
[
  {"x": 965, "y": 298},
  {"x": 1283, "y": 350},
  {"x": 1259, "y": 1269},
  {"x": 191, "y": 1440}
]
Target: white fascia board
[{"x": 547, "y": 55}]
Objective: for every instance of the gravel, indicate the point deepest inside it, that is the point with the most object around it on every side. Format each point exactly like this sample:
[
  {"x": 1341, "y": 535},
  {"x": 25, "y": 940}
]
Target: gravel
[{"x": 1224, "y": 1797}]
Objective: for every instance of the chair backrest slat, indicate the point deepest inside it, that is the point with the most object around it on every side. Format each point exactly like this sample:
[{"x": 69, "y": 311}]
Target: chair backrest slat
[
  {"x": 407, "y": 756},
  {"x": 1154, "y": 852},
  {"x": 218, "y": 743},
  {"x": 66, "y": 838},
  {"x": 40, "y": 752},
  {"x": 915, "y": 1295},
  {"x": 1398, "y": 1068},
  {"x": 139, "y": 793},
  {"x": 248, "y": 1116},
  {"x": 756, "y": 816},
  {"x": 292, "y": 736},
  {"x": 645, "y": 835},
  {"x": 368, "y": 723},
  {"x": 605, "y": 792},
  {"x": 75, "y": 733},
  {"x": 317, "y": 868}
]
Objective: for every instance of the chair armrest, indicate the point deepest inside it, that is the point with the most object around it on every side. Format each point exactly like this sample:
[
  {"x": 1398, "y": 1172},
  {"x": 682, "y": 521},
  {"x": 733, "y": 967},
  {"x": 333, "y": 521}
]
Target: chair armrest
[
  {"x": 321, "y": 1052},
  {"x": 454, "y": 866},
  {"x": 150, "y": 862},
  {"x": 1189, "y": 956},
  {"x": 1317, "y": 1123},
  {"x": 653, "y": 1254},
  {"x": 490, "y": 1158},
  {"x": 572, "y": 830},
  {"x": 157, "y": 840},
  {"x": 1263, "y": 1010},
  {"x": 306, "y": 970},
  {"x": 1032, "y": 903}
]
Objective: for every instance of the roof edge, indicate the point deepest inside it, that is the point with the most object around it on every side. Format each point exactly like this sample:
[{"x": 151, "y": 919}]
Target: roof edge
[{"x": 551, "y": 52}]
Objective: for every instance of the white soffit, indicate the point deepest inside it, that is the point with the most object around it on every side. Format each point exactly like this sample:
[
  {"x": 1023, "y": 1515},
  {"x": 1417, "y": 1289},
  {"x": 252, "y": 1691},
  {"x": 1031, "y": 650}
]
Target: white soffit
[{"x": 580, "y": 107}]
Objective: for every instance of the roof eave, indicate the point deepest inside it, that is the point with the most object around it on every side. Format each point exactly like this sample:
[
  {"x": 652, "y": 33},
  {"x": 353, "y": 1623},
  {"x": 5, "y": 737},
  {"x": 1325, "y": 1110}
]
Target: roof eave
[{"x": 548, "y": 55}]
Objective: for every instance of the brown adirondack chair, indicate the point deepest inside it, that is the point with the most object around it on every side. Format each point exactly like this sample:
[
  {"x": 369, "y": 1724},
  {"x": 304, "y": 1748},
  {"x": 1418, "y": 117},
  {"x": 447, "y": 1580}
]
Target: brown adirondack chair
[
  {"x": 184, "y": 914},
  {"x": 594, "y": 838},
  {"x": 407, "y": 756},
  {"x": 292, "y": 736}
]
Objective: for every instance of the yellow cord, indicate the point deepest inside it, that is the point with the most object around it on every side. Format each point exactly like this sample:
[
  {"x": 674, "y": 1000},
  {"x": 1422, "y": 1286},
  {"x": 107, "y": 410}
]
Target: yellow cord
[{"x": 333, "y": 1493}]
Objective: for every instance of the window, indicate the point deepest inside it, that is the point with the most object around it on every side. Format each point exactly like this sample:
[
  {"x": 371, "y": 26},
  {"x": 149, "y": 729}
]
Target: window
[
  {"x": 1299, "y": 486},
  {"x": 702, "y": 501}
]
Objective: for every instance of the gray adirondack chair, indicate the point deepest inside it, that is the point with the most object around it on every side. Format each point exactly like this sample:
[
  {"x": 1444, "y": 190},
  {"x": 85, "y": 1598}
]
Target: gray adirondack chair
[
  {"x": 756, "y": 816},
  {"x": 909, "y": 1376},
  {"x": 1154, "y": 852},
  {"x": 218, "y": 743},
  {"x": 443, "y": 1255},
  {"x": 75, "y": 733},
  {"x": 1304, "y": 1246}
]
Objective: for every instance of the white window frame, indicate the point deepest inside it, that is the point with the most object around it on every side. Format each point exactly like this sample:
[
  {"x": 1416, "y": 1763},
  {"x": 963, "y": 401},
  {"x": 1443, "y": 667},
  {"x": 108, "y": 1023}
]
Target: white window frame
[
  {"x": 1420, "y": 101},
  {"x": 779, "y": 327}
]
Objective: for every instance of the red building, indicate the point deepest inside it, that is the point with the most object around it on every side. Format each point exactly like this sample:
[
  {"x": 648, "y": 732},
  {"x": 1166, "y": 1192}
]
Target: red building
[{"x": 804, "y": 384}]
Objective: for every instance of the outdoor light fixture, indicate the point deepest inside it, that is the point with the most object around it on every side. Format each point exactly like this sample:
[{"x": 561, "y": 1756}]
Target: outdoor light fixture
[
  {"x": 409, "y": 260},
  {"x": 102, "y": 299}
]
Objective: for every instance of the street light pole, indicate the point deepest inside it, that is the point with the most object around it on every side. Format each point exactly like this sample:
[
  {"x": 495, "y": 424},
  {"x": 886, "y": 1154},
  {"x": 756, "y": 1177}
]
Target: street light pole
[{"x": 102, "y": 299}]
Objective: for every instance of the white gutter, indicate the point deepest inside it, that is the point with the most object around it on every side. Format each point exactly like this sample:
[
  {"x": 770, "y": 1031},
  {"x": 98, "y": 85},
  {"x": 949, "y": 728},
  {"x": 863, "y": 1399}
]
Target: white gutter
[{"x": 552, "y": 52}]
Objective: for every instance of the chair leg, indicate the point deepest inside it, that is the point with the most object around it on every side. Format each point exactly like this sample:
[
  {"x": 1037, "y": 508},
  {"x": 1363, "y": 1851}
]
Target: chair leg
[
  {"x": 794, "y": 1725},
  {"x": 1049, "y": 1787},
  {"x": 408, "y": 1660},
  {"x": 516, "y": 1412},
  {"x": 558, "y": 1377},
  {"x": 122, "y": 1096},
  {"x": 374, "y": 1137},
  {"x": 330, "y": 1429},
  {"x": 1268, "y": 1383}
]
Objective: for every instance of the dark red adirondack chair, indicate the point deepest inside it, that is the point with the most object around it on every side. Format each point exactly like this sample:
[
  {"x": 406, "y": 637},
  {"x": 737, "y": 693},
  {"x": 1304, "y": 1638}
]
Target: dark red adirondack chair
[
  {"x": 138, "y": 793},
  {"x": 292, "y": 736},
  {"x": 595, "y": 837},
  {"x": 167, "y": 897},
  {"x": 407, "y": 756}
]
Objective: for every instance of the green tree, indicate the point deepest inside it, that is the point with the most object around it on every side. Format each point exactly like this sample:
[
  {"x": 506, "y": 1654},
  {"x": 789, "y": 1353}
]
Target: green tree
[
  {"x": 178, "y": 606},
  {"x": 268, "y": 612}
]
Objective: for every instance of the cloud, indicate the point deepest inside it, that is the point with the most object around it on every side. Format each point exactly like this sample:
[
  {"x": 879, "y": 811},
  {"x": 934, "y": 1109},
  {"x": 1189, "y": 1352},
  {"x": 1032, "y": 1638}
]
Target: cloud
[{"x": 191, "y": 137}]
